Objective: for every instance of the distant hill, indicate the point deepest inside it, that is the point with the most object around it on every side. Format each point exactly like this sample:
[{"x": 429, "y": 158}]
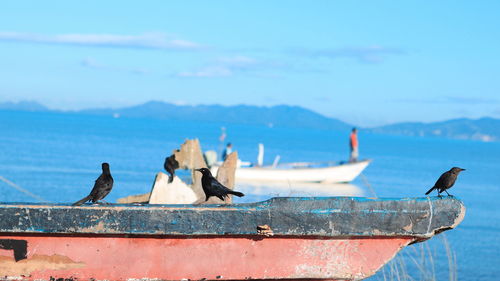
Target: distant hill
[
  {"x": 23, "y": 106},
  {"x": 280, "y": 116},
  {"x": 484, "y": 129}
]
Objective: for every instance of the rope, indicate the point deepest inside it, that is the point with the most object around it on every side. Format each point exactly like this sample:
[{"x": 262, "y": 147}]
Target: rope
[
  {"x": 365, "y": 181},
  {"x": 23, "y": 190}
]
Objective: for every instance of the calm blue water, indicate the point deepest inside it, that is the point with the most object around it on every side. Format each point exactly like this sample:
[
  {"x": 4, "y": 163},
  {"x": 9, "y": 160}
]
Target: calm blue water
[{"x": 58, "y": 156}]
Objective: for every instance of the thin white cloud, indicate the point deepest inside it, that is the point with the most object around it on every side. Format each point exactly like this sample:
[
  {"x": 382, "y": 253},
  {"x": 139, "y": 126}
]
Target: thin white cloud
[
  {"x": 211, "y": 71},
  {"x": 370, "y": 54},
  {"x": 471, "y": 100},
  {"x": 230, "y": 66},
  {"x": 452, "y": 100},
  {"x": 148, "y": 40},
  {"x": 94, "y": 64},
  {"x": 238, "y": 61}
]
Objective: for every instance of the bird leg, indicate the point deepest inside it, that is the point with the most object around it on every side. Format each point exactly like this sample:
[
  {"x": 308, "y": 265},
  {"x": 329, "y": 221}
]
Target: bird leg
[{"x": 448, "y": 193}]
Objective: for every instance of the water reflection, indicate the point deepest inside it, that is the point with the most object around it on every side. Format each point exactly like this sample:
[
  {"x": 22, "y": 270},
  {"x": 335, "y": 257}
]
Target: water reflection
[{"x": 258, "y": 191}]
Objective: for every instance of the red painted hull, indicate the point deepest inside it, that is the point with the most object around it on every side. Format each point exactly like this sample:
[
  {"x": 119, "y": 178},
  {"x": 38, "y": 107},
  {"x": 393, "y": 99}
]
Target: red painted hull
[{"x": 174, "y": 258}]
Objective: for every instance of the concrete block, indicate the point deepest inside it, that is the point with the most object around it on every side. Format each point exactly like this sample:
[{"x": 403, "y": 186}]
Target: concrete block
[{"x": 176, "y": 192}]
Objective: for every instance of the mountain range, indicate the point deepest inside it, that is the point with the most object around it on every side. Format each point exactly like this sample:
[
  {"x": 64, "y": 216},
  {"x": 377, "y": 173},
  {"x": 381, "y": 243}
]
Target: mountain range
[
  {"x": 23, "y": 106},
  {"x": 280, "y": 115},
  {"x": 484, "y": 129}
]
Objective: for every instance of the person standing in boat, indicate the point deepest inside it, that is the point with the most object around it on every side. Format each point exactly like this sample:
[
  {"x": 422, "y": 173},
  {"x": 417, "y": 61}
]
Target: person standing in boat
[
  {"x": 353, "y": 143},
  {"x": 227, "y": 151}
]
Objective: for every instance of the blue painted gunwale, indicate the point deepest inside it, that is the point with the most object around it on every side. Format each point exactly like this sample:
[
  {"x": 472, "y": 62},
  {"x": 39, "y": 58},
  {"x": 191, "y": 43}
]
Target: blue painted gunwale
[{"x": 329, "y": 217}]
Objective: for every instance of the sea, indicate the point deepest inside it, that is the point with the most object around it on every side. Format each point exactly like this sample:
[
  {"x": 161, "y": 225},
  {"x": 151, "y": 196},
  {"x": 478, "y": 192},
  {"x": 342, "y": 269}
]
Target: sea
[{"x": 56, "y": 156}]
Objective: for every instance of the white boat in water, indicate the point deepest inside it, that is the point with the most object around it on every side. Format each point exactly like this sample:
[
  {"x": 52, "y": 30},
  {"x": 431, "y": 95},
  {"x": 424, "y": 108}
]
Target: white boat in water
[
  {"x": 324, "y": 172},
  {"x": 298, "y": 189},
  {"x": 301, "y": 172}
]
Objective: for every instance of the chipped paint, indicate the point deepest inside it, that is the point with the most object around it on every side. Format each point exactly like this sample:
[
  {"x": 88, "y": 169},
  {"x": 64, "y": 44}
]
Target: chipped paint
[
  {"x": 409, "y": 227},
  {"x": 265, "y": 230},
  {"x": 9, "y": 267}
]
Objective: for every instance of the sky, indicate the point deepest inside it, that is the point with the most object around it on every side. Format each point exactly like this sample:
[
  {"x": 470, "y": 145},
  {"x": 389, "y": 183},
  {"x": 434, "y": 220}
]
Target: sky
[{"x": 368, "y": 63}]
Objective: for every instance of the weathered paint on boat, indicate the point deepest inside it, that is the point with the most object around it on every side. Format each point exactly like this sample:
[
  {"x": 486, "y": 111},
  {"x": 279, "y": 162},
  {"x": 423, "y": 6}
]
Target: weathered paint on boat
[{"x": 307, "y": 238}]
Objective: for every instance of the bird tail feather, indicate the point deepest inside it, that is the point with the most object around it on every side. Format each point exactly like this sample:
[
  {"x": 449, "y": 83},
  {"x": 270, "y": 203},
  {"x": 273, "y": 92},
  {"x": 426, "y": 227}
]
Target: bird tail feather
[
  {"x": 430, "y": 190},
  {"x": 239, "y": 194},
  {"x": 83, "y": 200}
]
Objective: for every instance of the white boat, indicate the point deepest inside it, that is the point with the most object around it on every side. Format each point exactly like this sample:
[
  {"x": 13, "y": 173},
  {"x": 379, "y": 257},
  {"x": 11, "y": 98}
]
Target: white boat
[
  {"x": 298, "y": 189},
  {"x": 301, "y": 172}
]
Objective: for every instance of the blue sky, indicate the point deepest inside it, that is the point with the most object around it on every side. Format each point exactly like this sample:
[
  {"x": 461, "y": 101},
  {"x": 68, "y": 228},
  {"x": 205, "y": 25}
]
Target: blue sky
[{"x": 364, "y": 62}]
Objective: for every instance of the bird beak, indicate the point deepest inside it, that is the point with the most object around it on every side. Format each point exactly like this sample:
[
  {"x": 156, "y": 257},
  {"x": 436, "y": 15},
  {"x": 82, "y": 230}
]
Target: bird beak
[
  {"x": 462, "y": 169},
  {"x": 199, "y": 170}
]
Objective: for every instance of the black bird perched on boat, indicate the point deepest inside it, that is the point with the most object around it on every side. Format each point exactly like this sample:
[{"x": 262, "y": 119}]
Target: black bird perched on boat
[
  {"x": 102, "y": 187},
  {"x": 446, "y": 181},
  {"x": 212, "y": 187},
  {"x": 170, "y": 165}
]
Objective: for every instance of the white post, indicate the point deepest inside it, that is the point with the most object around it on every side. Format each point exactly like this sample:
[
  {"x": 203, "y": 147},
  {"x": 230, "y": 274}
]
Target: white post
[{"x": 260, "y": 156}]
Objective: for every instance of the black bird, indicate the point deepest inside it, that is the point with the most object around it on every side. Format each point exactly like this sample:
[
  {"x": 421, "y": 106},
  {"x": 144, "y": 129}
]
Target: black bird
[
  {"x": 212, "y": 187},
  {"x": 170, "y": 165},
  {"x": 102, "y": 187},
  {"x": 446, "y": 181}
]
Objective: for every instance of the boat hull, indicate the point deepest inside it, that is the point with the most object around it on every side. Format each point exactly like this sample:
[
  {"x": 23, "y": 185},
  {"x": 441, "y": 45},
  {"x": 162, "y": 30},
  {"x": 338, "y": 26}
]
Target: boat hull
[
  {"x": 198, "y": 258},
  {"x": 332, "y": 174},
  {"x": 327, "y": 238}
]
